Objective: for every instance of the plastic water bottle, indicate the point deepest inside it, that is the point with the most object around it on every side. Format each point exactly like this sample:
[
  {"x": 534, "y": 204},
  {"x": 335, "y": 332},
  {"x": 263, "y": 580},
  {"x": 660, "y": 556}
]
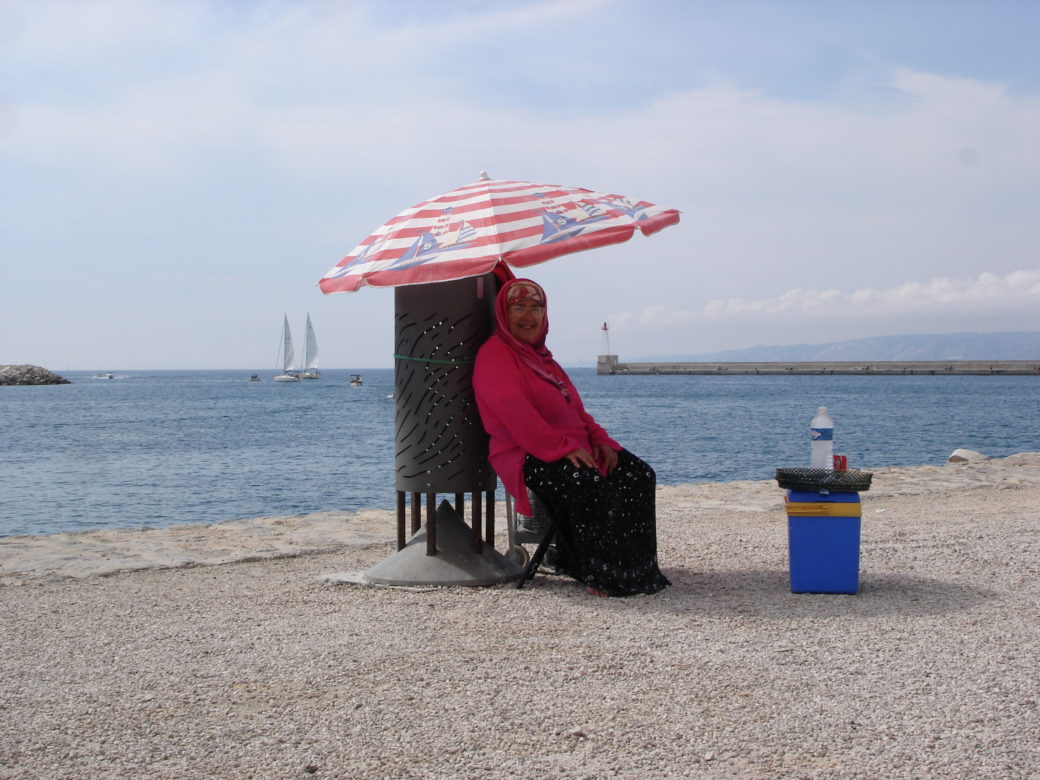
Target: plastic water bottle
[{"x": 821, "y": 433}]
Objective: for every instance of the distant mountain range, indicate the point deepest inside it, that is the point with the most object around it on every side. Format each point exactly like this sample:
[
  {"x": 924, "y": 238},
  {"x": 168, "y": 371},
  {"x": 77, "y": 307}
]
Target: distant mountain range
[{"x": 946, "y": 346}]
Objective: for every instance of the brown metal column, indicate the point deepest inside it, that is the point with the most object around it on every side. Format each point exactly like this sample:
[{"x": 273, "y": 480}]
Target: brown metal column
[
  {"x": 400, "y": 520},
  {"x": 431, "y": 523},
  {"x": 416, "y": 512},
  {"x": 489, "y": 530},
  {"x": 478, "y": 544}
]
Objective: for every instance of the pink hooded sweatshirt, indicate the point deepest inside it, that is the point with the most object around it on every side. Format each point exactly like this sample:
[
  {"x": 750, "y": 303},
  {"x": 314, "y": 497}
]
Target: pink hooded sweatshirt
[{"x": 527, "y": 402}]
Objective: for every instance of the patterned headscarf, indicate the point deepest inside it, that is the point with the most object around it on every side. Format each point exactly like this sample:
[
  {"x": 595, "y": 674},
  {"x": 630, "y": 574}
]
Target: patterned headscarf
[
  {"x": 525, "y": 289},
  {"x": 535, "y": 355}
]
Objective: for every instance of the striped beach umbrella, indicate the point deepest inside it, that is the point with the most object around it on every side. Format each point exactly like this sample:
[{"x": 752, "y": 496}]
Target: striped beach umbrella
[{"x": 469, "y": 230}]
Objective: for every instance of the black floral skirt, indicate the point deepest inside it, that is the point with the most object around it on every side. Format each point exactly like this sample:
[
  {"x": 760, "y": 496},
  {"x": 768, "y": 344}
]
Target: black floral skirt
[{"x": 606, "y": 526}]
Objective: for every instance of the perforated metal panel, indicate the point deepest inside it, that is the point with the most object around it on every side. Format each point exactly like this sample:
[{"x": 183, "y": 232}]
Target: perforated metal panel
[{"x": 440, "y": 444}]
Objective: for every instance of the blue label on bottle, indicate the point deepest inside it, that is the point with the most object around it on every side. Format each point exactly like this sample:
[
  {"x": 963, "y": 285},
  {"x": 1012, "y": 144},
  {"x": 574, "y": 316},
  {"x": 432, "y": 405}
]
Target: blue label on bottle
[{"x": 821, "y": 434}]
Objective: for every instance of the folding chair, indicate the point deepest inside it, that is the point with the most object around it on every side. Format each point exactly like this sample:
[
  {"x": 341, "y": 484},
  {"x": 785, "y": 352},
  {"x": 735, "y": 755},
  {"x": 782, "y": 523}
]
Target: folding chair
[{"x": 539, "y": 528}]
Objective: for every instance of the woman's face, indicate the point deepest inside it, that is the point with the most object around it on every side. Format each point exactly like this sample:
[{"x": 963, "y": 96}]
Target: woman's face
[{"x": 525, "y": 319}]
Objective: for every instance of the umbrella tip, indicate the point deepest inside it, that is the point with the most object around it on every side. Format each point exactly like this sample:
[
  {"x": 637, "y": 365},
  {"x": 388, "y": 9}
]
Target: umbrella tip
[{"x": 484, "y": 176}]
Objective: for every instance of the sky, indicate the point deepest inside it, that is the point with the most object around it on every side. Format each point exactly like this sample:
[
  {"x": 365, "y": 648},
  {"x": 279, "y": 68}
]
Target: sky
[{"x": 177, "y": 175}]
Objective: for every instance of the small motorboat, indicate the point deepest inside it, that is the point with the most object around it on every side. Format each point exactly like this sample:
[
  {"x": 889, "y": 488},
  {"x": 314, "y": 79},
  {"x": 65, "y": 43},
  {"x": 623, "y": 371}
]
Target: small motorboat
[{"x": 355, "y": 380}]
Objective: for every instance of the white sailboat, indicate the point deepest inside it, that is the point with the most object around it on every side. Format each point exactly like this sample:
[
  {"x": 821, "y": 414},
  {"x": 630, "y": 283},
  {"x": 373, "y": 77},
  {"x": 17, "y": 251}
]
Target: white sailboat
[
  {"x": 310, "y": 354},
  {"x": 286, "y": 355}
]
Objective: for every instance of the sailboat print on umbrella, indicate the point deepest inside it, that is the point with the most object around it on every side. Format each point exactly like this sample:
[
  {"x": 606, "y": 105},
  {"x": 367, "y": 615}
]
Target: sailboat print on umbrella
[
  {"x": 427, "y": 246},
  {"x": 635, "y": 211},
  {"x": 559, "y": 227}
]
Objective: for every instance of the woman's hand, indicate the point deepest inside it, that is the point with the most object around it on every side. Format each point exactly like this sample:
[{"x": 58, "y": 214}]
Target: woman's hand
[
  {"x": 606, "y": 457},
  {"x": 580, "y": 457}
]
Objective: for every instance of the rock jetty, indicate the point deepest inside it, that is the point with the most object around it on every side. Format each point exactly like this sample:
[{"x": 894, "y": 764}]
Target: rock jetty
[{"x": 30, "y": 375}]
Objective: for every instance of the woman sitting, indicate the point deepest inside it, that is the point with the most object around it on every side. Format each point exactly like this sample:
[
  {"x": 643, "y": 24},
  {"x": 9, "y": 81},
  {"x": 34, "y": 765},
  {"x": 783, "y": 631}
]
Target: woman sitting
[{"x": 600, "y": 495}]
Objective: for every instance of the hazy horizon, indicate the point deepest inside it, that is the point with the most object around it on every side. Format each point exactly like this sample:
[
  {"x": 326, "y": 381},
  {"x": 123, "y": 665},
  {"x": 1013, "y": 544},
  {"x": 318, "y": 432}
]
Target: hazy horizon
[{"x": 921, "y": 341}]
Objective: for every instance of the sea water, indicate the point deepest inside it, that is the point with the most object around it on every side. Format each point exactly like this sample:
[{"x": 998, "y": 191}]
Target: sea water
[{"x": 154, "y": 449}]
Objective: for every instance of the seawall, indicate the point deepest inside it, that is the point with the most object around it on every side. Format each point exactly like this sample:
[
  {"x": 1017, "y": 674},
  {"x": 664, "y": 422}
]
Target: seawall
[{"x": 609, "y": 364}]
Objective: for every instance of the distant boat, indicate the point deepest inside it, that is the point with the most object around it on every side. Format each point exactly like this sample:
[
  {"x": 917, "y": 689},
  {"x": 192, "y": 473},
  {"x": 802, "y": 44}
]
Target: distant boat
[
  {"x": 355, "y": 380},
  {"x": 310, "y": 354},
  {"x": 254, "y": 378},
  {"x": 286, "y": 356},
  {"x": 104, "y": 375}
]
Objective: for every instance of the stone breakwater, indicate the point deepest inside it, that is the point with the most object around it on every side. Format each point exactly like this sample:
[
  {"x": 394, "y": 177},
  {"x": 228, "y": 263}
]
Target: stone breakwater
[
  {"x": 30, "y": 375},
  {"x": 609, "y": 364}
]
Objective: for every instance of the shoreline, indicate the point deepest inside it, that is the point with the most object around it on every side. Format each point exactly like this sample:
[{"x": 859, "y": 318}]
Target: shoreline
[
  {"x": 103, "y": 552},
  {"x": 264, "y": 668}
]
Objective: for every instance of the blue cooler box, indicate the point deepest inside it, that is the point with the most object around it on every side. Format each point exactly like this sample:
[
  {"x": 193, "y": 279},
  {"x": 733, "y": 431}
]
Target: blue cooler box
[{"x": 823, "y": 541}]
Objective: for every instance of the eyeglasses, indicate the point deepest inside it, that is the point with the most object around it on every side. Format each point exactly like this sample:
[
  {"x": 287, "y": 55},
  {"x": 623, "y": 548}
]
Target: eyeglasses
[{"x": 519, "y": 308}]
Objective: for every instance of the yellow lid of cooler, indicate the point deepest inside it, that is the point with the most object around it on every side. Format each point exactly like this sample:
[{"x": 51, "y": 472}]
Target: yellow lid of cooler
[{"x": 822, "y": 509}]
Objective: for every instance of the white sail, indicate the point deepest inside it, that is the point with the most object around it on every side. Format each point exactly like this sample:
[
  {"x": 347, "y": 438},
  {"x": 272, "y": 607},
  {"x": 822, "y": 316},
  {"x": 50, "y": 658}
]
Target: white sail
[
  {"x": 286, "y": 355},
  {"x": 310, "y": 354},
  {"x": 287, "y": 347}
]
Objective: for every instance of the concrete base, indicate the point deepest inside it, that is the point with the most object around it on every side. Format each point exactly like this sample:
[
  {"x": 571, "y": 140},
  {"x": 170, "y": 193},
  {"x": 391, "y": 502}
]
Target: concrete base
[{"x": 454, "y": 564}]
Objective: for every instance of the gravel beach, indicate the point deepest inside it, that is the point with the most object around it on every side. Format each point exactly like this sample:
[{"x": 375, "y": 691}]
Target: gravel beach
[{"x": 226, "y": 652}]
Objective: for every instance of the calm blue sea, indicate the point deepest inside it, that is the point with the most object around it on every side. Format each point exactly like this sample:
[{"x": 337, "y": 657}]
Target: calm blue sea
[{"x": 166, "y": 447}]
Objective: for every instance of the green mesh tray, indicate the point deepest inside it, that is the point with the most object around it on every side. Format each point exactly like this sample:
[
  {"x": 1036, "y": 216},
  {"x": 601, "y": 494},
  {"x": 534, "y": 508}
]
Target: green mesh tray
[{"x": 820, "y": 480}]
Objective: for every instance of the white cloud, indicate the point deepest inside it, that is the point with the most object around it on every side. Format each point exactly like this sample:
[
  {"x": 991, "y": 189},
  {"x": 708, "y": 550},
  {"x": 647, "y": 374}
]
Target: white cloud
[{"x": 1018, "y": 291}]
